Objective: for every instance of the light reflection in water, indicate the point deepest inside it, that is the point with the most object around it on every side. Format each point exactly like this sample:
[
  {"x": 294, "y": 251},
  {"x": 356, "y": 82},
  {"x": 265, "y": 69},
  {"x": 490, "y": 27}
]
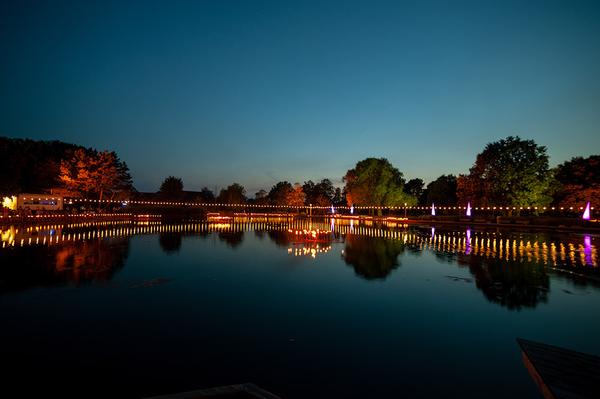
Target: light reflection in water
[
  {"x": 468, "y": 242},
  {"x": 507, "y": 246}
]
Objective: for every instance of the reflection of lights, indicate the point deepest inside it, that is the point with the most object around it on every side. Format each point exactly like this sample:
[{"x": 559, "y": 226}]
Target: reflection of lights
[
  {"x": 468, "y": 242},
  {"x": 307, "y": 250},
  {"x": 432, "y": 232},
  {"x": 587, "y": 250}
]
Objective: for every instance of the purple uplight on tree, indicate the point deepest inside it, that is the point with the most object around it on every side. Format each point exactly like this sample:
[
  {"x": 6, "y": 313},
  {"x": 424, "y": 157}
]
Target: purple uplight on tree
[
  {"x": 587, "y": 212},
  {"x": 332, "y": 209},
  {"x": 468, "y": 209},
  {"x": 432, "y": 209}
]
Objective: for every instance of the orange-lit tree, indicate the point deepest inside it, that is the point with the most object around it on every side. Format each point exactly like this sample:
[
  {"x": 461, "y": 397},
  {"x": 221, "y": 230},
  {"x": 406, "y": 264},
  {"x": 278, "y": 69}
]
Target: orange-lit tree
[{"x": 95, "y": 174}]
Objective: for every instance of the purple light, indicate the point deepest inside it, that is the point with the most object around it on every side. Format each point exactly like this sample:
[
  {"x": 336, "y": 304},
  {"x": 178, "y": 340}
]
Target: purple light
[
  {"x": 352, "y": 210},
  {"x": 587, "y": 250},
  {"x": 332, "y": 209},
  {"x": 587, "y": 212},
  {"x": 432, "y": 232},
  {"x": 432, "y": 209},
  {"x": 468, "y": 209},
  {"x": 468, "y": 242}
]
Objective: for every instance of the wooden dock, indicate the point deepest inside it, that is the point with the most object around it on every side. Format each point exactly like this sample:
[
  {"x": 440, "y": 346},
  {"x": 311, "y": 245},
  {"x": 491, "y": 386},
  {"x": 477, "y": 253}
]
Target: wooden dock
[
  {"x": 238, "y": 391},
  {"x": 561, "y": 373}
]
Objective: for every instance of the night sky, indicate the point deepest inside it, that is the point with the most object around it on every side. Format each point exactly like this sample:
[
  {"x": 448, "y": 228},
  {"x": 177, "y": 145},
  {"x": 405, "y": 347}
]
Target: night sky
[{"x": 257, "y": 92}]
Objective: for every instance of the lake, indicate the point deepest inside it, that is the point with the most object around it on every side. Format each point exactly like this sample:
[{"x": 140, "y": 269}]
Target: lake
[{"x": 328, "y": 308}]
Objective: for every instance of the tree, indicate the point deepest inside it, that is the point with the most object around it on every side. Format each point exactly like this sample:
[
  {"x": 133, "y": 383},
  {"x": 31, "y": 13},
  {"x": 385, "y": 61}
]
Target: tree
[
  {"x": 339, "y": 198},
  {"x": 442, "y": 190},
  {"x": 31, "y": 166},
  {"x": 261, "y": 197},
  {"x": 171, "y": 188},
  {"x": 233, "y": 194},
  {"x": 296, "y": 196},
  {"x": 414, "y": 187},
  {"x": 93, "y": 173},
  {"x": 319, "y": 194},
  {"x": 509, "y": 172},
  {"x": 578, "y": 181},
  {"x": 375, "y": 182},
  {"x": 279, "y": 193},
  {"x": 206, "y": 195}
]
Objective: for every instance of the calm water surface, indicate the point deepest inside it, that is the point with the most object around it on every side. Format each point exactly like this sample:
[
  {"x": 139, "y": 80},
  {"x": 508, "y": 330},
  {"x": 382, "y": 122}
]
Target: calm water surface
[{"x": 358, "y": 311}]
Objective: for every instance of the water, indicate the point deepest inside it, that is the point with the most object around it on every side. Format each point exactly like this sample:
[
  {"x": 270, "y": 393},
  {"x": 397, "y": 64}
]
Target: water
[{"x": 124, "y": 310}]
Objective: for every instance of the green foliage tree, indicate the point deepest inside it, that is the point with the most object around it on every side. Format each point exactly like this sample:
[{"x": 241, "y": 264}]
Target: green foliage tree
[
  {"x": 171, "y": 188},
  {"x": 95, "y": 174},
  {"x": 233, "y": 194},
  {"x": 442, "y": 190},
  {"x": 375, "y": 182},
  {"x": 578, "y": 181},
  {"x": 509, "y": 172}
]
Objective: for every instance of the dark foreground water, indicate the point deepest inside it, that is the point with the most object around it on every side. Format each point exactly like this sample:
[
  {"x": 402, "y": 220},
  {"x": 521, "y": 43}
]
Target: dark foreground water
[{"x": 359, "y": 312}]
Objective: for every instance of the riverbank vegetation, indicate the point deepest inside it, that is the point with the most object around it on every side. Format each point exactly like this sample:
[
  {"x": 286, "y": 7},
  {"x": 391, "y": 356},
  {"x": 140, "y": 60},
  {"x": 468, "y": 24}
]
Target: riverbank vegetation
[{"x": 508, "y": 172}]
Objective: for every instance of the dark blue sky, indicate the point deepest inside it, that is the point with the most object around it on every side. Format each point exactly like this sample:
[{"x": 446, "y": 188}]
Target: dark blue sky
[{"x": 257, "y": 92}]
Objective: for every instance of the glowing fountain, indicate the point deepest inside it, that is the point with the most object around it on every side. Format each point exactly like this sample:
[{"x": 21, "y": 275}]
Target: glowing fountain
[
  {"x": 332, "y": 210},
  {"x": 587, "y": 212},
  {"x": 432, "y": 209},
  {"x": 468, "y": 209},
  {"x": 352, "y": 210}
]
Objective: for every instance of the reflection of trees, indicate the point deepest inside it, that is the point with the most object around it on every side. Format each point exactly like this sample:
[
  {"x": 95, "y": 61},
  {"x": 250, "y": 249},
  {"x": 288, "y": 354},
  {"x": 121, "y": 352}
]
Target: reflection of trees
[
  {"x": 79, "y": 262},
  {"x": 372, "y": 257},
  {"x": 170, "y": 242},
  {"x": 233, "y": 239},
  {"x": 513, "y": 285},
  {"x": 281, "y": 238}
]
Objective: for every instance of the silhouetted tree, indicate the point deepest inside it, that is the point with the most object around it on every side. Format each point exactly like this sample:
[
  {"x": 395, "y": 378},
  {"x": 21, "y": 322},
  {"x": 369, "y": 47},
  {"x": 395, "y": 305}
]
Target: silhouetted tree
[
  {"x": 261, "y": 197},
  {"x": 31, "y": 166},
  {"x": 442, "y": 190},
  {"x": 511, "y": 172},
  {"x": 233, "y": 194},
  {"x": 206, "y": 195},
  {"x": 414, "y": 187},
  {"x": 171, "y": 188}
]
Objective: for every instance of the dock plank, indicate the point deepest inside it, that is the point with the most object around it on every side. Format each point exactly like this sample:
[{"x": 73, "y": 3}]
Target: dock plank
[{"x": 561, "y": 373}]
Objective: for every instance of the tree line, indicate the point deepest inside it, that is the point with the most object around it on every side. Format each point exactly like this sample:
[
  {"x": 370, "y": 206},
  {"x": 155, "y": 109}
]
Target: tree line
[{"x": 508, "y": 172}]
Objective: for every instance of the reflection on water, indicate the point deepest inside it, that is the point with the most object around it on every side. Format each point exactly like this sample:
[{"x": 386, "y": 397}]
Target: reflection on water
[
  {"x": 372, "y": 257},
  {"x": 511, "y": 269},
  {"x": 74, "y": 262}
]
